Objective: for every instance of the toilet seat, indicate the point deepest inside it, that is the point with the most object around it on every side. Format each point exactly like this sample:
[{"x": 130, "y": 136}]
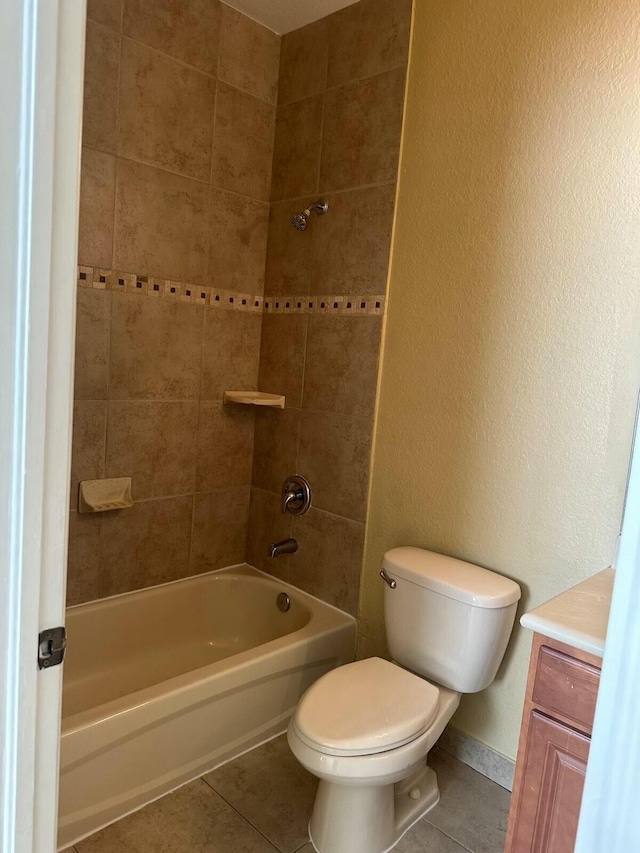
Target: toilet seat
[{"x": 364, "y": 708}]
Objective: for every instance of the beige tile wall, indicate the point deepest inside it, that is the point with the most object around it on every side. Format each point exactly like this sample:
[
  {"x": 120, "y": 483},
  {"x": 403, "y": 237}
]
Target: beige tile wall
[
  {"x": 203, "y": 133},
  {"x": 179, "y": 123},
  {"x": 338, "y": 126}
]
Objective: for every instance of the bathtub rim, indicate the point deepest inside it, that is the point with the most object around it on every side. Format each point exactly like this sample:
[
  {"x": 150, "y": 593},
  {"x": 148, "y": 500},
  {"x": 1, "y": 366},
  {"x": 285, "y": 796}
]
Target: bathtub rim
[
  {"x": 181, "y": 685},
  {"x": 236, "y": 568}
]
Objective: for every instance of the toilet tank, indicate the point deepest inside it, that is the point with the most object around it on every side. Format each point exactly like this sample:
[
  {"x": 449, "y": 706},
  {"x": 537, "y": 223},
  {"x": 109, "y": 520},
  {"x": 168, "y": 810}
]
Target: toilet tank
[{"x": 446, "y": 619}]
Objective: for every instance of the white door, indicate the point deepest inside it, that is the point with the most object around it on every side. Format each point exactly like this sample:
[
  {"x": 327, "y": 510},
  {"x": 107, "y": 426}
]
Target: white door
[
  {"x": 609, "y": 819},
  {"x": 41, "y": 73}
]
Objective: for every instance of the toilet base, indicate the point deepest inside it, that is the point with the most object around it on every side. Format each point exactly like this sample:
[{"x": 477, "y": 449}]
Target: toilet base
[{"x": 370, "y": 819}]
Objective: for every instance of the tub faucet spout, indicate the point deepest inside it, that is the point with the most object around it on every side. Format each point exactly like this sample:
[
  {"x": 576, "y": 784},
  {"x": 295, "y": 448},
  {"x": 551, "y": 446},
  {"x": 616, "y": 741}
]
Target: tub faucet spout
[{"x": 286, "y": 546}]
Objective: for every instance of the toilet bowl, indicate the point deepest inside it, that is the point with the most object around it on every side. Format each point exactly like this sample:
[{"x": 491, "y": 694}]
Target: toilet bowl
[{"x": 365, "y": 729}]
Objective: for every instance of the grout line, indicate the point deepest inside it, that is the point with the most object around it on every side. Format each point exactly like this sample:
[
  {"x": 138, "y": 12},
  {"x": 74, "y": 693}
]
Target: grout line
[
  {"x": 207, "y": 219},
  {"x": 100, "y": 148},
  {"x": 246, "y": 516},
  {"x": 327, "y": 89},
  {"x": 246, "y": 532},
  {"x": 193, "y": 494},
  {"x": 135, "y": 400},
  {"x": 105, "y": 436},
  {"x": 208, "y": 183},
  {"x": 321, "y": 136},
  {"x": 246, "y": 92},
  {"x": 115, "y": 154},
  {"x": 219, "y": 45},
  {"x": 324, "y": 107},
  {"x": 340, "y": 515},
  {"x": 317, "y": 508},
  {"x": 213, "y": 135},
  {"x": 202, "y": 181},
  {"x": 302, "y": 384},
  {"x": 446, "y": 834},
  {"x": 219, "y": 403},
  {"x": 312, "y": 410},
  {"x": 108, "y": 400},
  {"x": 273, "y": 147},
  {"x": 401, "y": 65},
  {"x": 96, "y": 23},
  {"x": 118, "y": 93},
  {"x": 197, "y": 459},
  {"x": 330, "y": 192},
  {"x": 358, "y": 418},
  {"x": 201, "y": 397},
  {"x": 274, "y": 126},
  {"x": 193, "y": 514},
  {"x": 212, "y": 75},
  {"x": 277, "y": 98},
  {"x": 115, "y": 208},
  {"x": 237, "y": 810},
  {"x": 325, "y": 81},
  {"x": 170, "y": 57},
  {"x": 179, "y": 496},
  {"x": 255, "y": 20}
]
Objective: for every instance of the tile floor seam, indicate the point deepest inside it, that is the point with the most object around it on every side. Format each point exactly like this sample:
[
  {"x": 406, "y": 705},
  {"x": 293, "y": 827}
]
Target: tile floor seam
[
  {"x": 239, "y": 813},
  {"x": 283, "y": 812},
  {"x": 462, "y": 846},
  {"x": 244, "y": 817}
]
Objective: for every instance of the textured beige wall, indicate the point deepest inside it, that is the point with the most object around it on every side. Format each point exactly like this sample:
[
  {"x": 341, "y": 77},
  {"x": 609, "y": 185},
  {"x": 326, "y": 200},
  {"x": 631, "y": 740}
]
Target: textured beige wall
[{"x": 510, "y": 357}]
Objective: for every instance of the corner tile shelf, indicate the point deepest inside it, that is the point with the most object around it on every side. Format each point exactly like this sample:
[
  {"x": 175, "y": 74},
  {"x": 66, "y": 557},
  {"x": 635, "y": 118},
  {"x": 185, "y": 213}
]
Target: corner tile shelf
[{"x": 255, "y": 398}]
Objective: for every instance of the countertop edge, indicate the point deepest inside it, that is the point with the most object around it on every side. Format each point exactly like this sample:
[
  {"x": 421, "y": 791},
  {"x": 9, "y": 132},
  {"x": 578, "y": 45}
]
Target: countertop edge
[
  {"x": 569, "y": 636},
  {"x": 577, "y": 617}
]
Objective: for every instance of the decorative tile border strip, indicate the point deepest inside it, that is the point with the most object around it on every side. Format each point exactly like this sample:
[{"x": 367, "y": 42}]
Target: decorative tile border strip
[
  {"x": 163, "y": 288},
  {"x": 96, "y": 278},
  {"x": 324, "y": 304}
]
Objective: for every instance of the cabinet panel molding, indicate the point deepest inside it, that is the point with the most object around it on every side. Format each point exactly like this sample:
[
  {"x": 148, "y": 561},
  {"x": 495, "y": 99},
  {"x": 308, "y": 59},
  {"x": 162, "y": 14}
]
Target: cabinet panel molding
[
  {"x": 553, "y": 749},
  {"x": 566, "y": 687},
  {"x": 557, "y": 766}
]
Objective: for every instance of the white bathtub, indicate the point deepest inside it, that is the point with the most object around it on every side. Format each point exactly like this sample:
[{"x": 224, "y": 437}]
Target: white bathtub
[{"x": 164, "y": 684}]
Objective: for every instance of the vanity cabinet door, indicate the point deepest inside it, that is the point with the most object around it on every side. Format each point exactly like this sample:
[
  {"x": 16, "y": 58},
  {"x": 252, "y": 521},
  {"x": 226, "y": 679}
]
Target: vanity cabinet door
[{"x": 555, "y": 766}]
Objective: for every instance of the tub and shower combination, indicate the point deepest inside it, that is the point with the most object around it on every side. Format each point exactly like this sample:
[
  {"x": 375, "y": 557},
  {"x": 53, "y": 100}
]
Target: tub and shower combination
[{"x": 165, "y": 684}]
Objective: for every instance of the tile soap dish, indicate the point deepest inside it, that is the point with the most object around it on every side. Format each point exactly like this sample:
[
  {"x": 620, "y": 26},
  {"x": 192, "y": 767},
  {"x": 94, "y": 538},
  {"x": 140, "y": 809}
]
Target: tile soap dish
[
  {"x": 103, "y": 495},
  {"x": 255, "y": 398}
]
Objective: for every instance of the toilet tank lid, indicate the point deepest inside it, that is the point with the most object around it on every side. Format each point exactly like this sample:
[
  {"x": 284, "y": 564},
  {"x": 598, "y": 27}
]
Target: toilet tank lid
[{"x": 454, "y": 578}]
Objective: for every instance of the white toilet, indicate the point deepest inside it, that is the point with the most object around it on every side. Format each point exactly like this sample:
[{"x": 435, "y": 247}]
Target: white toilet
[{"x": 365, "y": 728}]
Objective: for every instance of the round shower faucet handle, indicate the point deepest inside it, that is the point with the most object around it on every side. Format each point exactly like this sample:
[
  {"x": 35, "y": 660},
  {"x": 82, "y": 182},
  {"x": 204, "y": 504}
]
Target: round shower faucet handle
[{"x": 296, "y": 495}]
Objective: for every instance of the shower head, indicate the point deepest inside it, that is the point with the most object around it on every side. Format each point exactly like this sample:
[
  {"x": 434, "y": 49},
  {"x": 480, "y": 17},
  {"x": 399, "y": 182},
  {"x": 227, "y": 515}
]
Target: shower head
[{"x": 301, "y": 220}]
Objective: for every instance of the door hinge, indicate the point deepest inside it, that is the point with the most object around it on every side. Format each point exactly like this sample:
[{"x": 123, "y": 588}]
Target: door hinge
[{"x": 52, "y": 644}]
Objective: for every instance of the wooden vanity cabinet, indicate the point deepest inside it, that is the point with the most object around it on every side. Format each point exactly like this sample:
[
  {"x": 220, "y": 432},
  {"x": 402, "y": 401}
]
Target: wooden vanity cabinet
[{"x": 559, "y": 707}]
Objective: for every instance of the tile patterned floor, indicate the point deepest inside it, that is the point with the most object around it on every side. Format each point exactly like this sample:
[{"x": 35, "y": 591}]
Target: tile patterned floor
[{"x": 261, "y": 803}]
